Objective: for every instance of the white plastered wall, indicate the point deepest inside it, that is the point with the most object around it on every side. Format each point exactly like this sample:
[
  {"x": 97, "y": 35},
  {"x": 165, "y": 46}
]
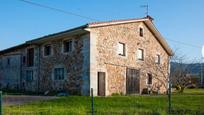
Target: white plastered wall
[{"x": 93, "y": 63}]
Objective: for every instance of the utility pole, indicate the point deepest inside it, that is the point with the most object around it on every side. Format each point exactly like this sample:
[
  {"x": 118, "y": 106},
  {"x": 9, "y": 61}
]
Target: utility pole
[{"x": 201, "y": 74}]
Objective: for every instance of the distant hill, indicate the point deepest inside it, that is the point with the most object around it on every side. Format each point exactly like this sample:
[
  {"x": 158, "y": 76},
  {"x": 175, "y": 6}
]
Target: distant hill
[{"x": 194, "y": 68}]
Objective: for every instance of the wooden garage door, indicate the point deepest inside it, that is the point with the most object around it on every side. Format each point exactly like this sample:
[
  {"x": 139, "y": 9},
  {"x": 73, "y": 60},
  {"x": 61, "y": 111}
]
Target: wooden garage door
[
  {"x": 101, "y": 84},
  {"x": 132, "y": 81}
]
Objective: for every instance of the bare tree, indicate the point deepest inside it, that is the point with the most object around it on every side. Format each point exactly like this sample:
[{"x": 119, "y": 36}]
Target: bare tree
[
  {"x": 158, "y": 68},
  {"x": 181, "y": 72}
]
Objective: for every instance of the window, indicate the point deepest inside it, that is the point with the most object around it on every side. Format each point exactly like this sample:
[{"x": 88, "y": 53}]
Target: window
[
  {"x": 8, "y": 61},
  {"x": 141, "y": 32},
  {"x": 121, "y": 49},
  {"x": 30, "y": 57},
  {"x": 158, "y": 59},
  {"x": 29, "y": 75},
  {"x": 24, "y": 59},
  {"x": 59, "y": 73},
  {"x": 67, "y": 46},
  {"x": 140, "y": 54},
  {"x": 47, "y": 50},
  {"x": 149, "y": 78}
]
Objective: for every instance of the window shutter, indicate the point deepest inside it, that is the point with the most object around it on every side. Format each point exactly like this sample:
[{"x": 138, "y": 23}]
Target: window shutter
[
  {"x": 120, "y": 48},
  {"x": 158, "y": 59},
  {"x": 140, "y": 54}
]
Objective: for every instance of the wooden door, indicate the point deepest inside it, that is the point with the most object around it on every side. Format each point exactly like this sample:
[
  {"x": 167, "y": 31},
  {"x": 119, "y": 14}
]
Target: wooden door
[
  {"x": 132, "y": 81},
  {"x": 101, "y": 84}
]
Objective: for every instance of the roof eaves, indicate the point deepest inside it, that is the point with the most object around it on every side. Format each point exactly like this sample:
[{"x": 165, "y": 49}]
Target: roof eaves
[
  {"x": 39, "y": 39},
  {"x": 55, "y": 34},
  {"x": 12, "y": 48},
  {"x": 161, "y": 39}
]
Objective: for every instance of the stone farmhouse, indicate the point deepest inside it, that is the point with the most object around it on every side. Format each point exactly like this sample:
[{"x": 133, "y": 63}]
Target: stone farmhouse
[{"x": 120, "y": 56}]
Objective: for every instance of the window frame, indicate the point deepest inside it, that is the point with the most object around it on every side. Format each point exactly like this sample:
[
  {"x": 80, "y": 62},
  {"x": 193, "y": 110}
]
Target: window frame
[
  {"x": 57, "y": 76},
  {"x": 8, "y": 61},
  {"x": 123, "y": 49},
  {"x": 158, "y": 59},
  {"x": 141, "y": 31},
  {"x": 142, "y": 54},
  {"x": 29, "y": 62},
  {"x": 149, "y": 79},
  {"x": 24, "y": 59},
  {"x": 29, "y": 78},
  {"x": 63, "y": 46},
  {"x": 44, "y": 50}
]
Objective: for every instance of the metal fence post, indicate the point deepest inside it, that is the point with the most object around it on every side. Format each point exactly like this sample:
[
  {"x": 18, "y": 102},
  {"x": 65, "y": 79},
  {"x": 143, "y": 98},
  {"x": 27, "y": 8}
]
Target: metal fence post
[
  {"x": 169, "y": 90},
  {"x": 1, "y": 103},
  {"x": 92, "y": 102},
  {"x": 169, "y": 98}
]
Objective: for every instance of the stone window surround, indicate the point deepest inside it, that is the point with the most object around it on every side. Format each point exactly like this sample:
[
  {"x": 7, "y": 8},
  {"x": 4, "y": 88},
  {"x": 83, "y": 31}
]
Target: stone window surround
[
  {"x": 24, "y": 59},
  {"x": 43, "y": 50},
  {"x": 124, "y": 49},
  {"x": 141, "y": 27},
  {"x": 158, "y": 58},
  {"x": 59, "y": 74},
  {"x": 143, "y": 52},
  {"x": 147, "y": 79},
  {"x": 26, "y": 52},
  {"x": 31, "y": 77},
  {"x": 8, "y": 61},
  {"x": 65, "y": 73},
  {"x": 62, "y": 45}
]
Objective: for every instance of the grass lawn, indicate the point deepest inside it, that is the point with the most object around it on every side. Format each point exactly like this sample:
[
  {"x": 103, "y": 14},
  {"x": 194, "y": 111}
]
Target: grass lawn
[{"x": 192, "y": 101}]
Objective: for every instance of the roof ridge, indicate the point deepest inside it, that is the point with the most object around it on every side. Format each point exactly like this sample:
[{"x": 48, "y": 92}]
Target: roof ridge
[{"x": 118, "y": 20}]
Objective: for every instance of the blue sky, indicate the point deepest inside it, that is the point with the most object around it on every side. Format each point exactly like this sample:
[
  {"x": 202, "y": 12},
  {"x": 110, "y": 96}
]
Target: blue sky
[{"x": 179, "y": 20}]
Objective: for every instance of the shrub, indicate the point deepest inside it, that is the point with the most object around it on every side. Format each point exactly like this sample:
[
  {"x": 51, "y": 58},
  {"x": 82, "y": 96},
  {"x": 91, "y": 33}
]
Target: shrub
[
  {"x": 178, "y": 87},
  {"x": 145, "y": 91},
  {"x": 192, "y": 86},
  {"x": 117, "y": 94}
]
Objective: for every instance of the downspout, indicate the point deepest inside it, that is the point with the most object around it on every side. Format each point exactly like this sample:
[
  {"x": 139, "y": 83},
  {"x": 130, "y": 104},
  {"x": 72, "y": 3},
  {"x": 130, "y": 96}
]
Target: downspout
[
  {"x": 21, "y": 72},
  {"x": 38, "y": 78}
]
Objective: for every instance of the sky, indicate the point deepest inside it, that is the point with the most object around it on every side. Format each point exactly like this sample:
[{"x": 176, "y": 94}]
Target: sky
[{"x": 179, "y": 21}]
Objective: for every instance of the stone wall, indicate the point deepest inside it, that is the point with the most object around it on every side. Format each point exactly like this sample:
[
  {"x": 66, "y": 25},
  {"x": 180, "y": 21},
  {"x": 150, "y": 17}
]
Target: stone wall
[
  {"x": 10, "y": 71},
  {"x": 108, "y": 60},
  {"x": 76, "y": 64},
  {"x": 92, "y": 53},
  {"x": 15, "y": 73},
  {"x": 33, "y": 84}
]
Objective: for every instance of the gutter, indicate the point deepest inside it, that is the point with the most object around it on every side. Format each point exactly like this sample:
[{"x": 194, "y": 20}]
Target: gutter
[{"x": 57, "y": 35}]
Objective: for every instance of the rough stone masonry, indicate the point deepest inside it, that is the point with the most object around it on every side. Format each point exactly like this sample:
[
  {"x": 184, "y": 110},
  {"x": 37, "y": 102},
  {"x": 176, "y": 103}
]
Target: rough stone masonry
[{"x": 93, "y": 61}]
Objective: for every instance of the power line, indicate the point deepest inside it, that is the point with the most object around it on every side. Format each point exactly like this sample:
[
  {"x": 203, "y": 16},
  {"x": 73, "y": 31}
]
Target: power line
[
  {"x": 57, "y": 9},
  {"x": 85, "y": 17},
  {"x": 183, "y": 43}
]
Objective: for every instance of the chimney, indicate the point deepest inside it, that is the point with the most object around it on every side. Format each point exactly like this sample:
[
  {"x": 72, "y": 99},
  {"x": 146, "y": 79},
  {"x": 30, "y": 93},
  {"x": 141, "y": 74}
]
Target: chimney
[{"x": 149, "y": 17}]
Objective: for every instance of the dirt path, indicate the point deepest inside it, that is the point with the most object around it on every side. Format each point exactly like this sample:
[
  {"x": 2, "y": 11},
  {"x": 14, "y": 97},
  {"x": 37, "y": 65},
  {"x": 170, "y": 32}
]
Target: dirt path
[{"x": 16, "y": 100}]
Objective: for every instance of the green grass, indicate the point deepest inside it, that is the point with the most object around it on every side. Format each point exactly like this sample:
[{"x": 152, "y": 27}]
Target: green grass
[
  {"x": 194, "y": 91},
  {"x": 125, "y": 105}
]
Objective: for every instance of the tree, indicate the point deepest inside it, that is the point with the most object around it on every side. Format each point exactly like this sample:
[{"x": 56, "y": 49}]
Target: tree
[
  {"x": 180, "y": 72},
  {"x": 159, "y": 69}
]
